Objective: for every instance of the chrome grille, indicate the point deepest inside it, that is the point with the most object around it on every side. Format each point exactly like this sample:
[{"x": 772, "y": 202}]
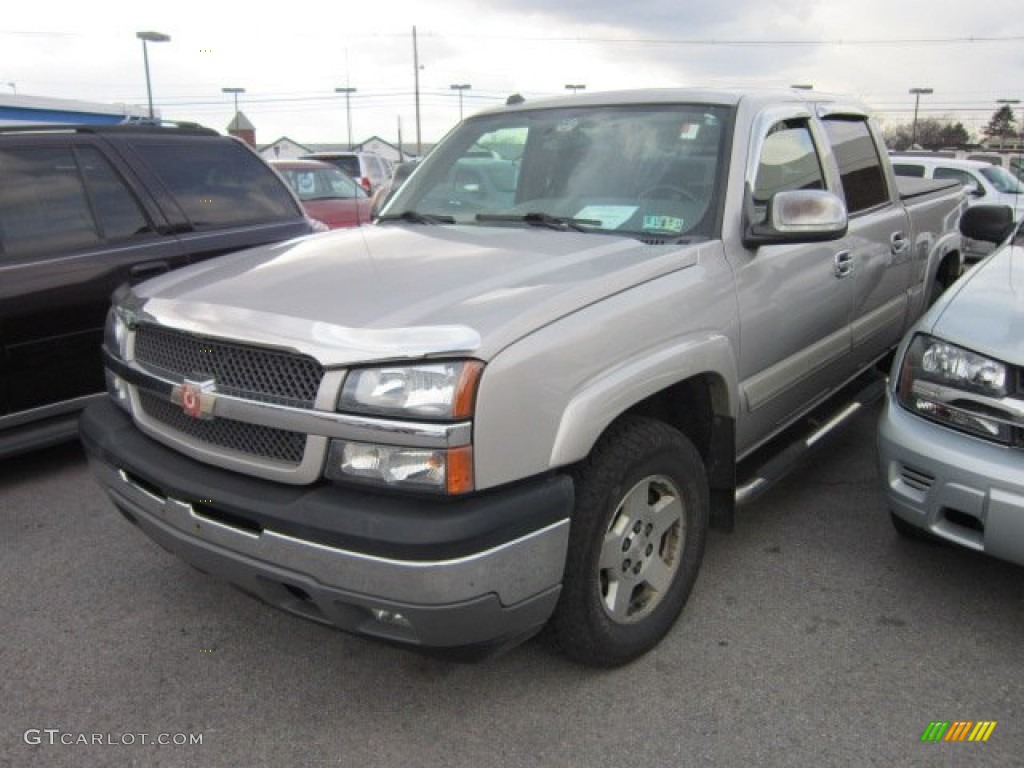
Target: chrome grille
[
  {"x": 252, "y": 373},
  {"x": 252, "y": 439}
]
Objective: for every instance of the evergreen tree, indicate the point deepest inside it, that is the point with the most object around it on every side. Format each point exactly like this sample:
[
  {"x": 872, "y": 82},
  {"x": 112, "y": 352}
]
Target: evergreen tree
[{"x": 1002, "y": 126}]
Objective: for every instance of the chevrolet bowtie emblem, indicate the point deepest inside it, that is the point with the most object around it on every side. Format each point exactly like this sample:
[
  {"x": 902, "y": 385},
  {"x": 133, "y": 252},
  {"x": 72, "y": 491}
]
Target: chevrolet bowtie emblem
[{"x": 196, "y": 398}]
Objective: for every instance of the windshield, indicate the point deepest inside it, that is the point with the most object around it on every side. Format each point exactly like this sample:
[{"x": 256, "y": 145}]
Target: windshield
[
  {"x": 1003, "y": 180},
  {"x": 644, "y": 171},
  {"x": 321, "y": 183}
]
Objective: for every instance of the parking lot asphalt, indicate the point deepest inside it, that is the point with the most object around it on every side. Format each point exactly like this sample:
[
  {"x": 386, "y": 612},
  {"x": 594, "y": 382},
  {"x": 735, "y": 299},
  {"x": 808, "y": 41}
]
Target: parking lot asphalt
[{"x": 815, "y": 637}]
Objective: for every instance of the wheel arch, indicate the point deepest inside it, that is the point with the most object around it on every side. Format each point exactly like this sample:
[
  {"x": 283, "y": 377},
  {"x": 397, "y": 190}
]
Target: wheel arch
[{"x": 692, "y": 389}]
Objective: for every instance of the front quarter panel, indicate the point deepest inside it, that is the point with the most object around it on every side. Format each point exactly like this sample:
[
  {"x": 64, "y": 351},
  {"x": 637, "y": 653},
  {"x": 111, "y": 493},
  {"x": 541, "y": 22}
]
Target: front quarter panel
[{"x": 545, "y": 400}]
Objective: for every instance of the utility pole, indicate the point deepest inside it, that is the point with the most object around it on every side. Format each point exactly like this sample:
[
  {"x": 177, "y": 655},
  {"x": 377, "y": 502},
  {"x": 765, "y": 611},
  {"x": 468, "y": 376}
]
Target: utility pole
[
  {"x": 416, "y": 72},
  {"x": 918, "y": 93},
  {"x": 348, "y": 111}
]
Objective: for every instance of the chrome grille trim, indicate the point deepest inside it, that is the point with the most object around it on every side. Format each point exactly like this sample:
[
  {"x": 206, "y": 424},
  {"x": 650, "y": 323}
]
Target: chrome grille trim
[
  {"x": 248, "y": 372},
  {"x": 256, "y": 440},
  {"x": 311, "y": 422}
]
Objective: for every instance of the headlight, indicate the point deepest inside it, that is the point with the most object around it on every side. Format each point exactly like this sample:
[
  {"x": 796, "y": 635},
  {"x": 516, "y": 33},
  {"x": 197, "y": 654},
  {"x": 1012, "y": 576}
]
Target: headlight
[
  {"x": 115, "y": 339},
  {"x": 435, "y": 391},
  {"x": 443, "y": 470},
  {"x": 956, "y": 387},
  {"x": 441, "y": 391}
]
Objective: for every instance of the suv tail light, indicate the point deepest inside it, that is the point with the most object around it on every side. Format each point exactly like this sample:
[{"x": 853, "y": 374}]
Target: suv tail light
[{"x": 364, "y": 182}]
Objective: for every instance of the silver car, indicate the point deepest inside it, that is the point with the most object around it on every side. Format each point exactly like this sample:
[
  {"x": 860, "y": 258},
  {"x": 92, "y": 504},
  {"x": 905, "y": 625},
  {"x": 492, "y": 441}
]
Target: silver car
[{"x": 951, "y": 437}]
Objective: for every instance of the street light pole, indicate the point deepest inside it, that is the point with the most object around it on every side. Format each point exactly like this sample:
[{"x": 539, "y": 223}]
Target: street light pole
[
  {"x": 460, "y": 87},
  {"x": 574, "y": 87},
  {"x": 348, "y": 111},
  {"x": 234, "y": 92},
  {"x": 150, "y": 37},
  {"x": 918, "y": 93}
]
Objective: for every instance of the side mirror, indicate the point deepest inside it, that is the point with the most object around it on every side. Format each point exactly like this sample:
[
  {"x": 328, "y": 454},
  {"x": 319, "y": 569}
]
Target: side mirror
[
  {"x": 973, "y": 190},
  {"x": 989, "y": 223},
  {"x": 796, "y": 216}
]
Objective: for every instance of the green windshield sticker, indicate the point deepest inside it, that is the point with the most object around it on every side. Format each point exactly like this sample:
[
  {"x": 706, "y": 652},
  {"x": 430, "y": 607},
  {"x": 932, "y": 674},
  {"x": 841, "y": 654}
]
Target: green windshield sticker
[
  {"x": 664, "y": 223},
  {"x": 610, "y": 216}
]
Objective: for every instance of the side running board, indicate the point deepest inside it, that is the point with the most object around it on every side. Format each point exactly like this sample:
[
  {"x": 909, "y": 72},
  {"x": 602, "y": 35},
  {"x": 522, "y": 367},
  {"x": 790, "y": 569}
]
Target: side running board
[{"x": 762, "y": 469}]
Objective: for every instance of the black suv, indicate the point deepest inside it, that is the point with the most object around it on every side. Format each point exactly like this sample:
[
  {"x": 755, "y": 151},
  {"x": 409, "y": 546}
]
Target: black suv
[{"x": 86, "y": 208}]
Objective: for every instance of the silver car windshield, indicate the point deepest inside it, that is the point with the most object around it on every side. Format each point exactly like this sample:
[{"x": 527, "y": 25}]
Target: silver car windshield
[{"x": 647, "y": 171}]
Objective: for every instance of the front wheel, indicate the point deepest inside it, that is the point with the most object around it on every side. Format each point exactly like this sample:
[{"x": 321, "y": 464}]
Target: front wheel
[{"x": 635, "y": 545}]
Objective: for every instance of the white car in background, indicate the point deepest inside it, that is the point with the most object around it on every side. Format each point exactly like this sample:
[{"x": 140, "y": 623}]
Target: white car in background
[{"x": 985, "y": 183}]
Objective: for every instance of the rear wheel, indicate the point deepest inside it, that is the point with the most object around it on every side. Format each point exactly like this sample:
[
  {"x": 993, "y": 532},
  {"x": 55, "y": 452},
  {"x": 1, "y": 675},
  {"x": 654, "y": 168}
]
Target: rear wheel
[{"x": 636, "y": 542}]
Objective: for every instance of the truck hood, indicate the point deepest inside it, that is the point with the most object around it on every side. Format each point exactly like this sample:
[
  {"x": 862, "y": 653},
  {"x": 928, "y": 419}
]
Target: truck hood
[
  {"x": 986, "y": 311},
  {"x": 404, "y": 291}
]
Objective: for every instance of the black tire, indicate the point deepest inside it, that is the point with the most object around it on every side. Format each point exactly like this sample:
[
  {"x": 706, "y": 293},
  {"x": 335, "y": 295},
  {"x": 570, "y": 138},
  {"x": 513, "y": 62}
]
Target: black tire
[{"x": 612, "y": 611}]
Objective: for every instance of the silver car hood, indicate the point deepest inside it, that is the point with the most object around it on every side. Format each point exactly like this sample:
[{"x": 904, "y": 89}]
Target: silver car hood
[
  {"x": 986, "y": 312},
  {"x": 394, "y": 292}
]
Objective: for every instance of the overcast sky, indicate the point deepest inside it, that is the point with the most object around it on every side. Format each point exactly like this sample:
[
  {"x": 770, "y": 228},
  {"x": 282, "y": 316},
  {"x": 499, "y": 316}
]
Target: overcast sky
[{"x": 290, "y": 57}]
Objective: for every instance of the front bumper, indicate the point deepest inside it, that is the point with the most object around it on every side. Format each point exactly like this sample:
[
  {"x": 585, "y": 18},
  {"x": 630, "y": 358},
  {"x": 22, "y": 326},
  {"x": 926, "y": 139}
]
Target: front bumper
[
  {"x": 963, "y": 489},
  {"x": 471, "y": 575}
]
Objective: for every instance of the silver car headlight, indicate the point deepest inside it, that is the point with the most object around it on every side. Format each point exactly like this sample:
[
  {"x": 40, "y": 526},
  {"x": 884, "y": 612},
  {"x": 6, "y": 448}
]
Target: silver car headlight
[
  {"x": 956, "y": 387},
  {"x": 435, "y": 391}
]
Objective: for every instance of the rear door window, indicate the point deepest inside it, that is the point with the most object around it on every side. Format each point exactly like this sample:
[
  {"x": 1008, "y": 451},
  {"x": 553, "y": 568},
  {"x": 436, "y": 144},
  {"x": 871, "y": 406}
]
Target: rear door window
[
  {"x": 56, "y": 200},
  {"x": 860, "y": 167},
  {"x": 118, "y": 212},
  {"x": 220, "y": 184}
]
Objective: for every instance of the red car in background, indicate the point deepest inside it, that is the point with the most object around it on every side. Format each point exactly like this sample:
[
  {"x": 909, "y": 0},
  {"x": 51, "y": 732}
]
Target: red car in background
[{"x": 328, "y": 195}]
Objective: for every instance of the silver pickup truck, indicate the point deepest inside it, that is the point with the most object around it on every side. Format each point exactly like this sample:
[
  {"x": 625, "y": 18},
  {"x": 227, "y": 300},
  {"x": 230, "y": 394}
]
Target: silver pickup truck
[{"x": 580, "y": 333}]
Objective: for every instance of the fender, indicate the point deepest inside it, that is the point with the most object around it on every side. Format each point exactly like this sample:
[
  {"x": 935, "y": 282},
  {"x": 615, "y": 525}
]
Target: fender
[{"x": 606, "y": 397}]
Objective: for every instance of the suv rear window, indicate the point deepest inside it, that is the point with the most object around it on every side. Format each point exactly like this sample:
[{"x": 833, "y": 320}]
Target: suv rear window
[{"x": 219, "y": 184}]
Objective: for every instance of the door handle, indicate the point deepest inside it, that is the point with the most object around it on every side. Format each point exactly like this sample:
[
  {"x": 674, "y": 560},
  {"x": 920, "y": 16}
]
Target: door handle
[
  {"x": 844, "y": 264},
  {"x": 898, "y": 243}
]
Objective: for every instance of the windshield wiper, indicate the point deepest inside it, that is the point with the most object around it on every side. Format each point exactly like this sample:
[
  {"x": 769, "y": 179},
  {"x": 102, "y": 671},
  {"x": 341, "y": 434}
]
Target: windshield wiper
[
  {"x": 538, "y": 219},
  {"x": 419, "y": 218}
]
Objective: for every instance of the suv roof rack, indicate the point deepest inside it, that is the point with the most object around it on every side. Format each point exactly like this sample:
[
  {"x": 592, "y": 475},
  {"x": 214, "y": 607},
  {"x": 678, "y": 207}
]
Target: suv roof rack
[{"x": 128, "y": 126}]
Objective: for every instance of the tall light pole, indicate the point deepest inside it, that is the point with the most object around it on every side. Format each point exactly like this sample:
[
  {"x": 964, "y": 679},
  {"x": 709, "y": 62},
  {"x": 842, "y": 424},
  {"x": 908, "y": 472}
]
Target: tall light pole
[
  {"x": 234, "y": 92},
  {"x": 1007, "y": 102},
  {"x": 348, "y": 111},
  {"x": 918, "y": 93},
  {"x": 460, "y": 87},
  {"x": 574, "y": 87},
  {"x": 150, "y": 37}
]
